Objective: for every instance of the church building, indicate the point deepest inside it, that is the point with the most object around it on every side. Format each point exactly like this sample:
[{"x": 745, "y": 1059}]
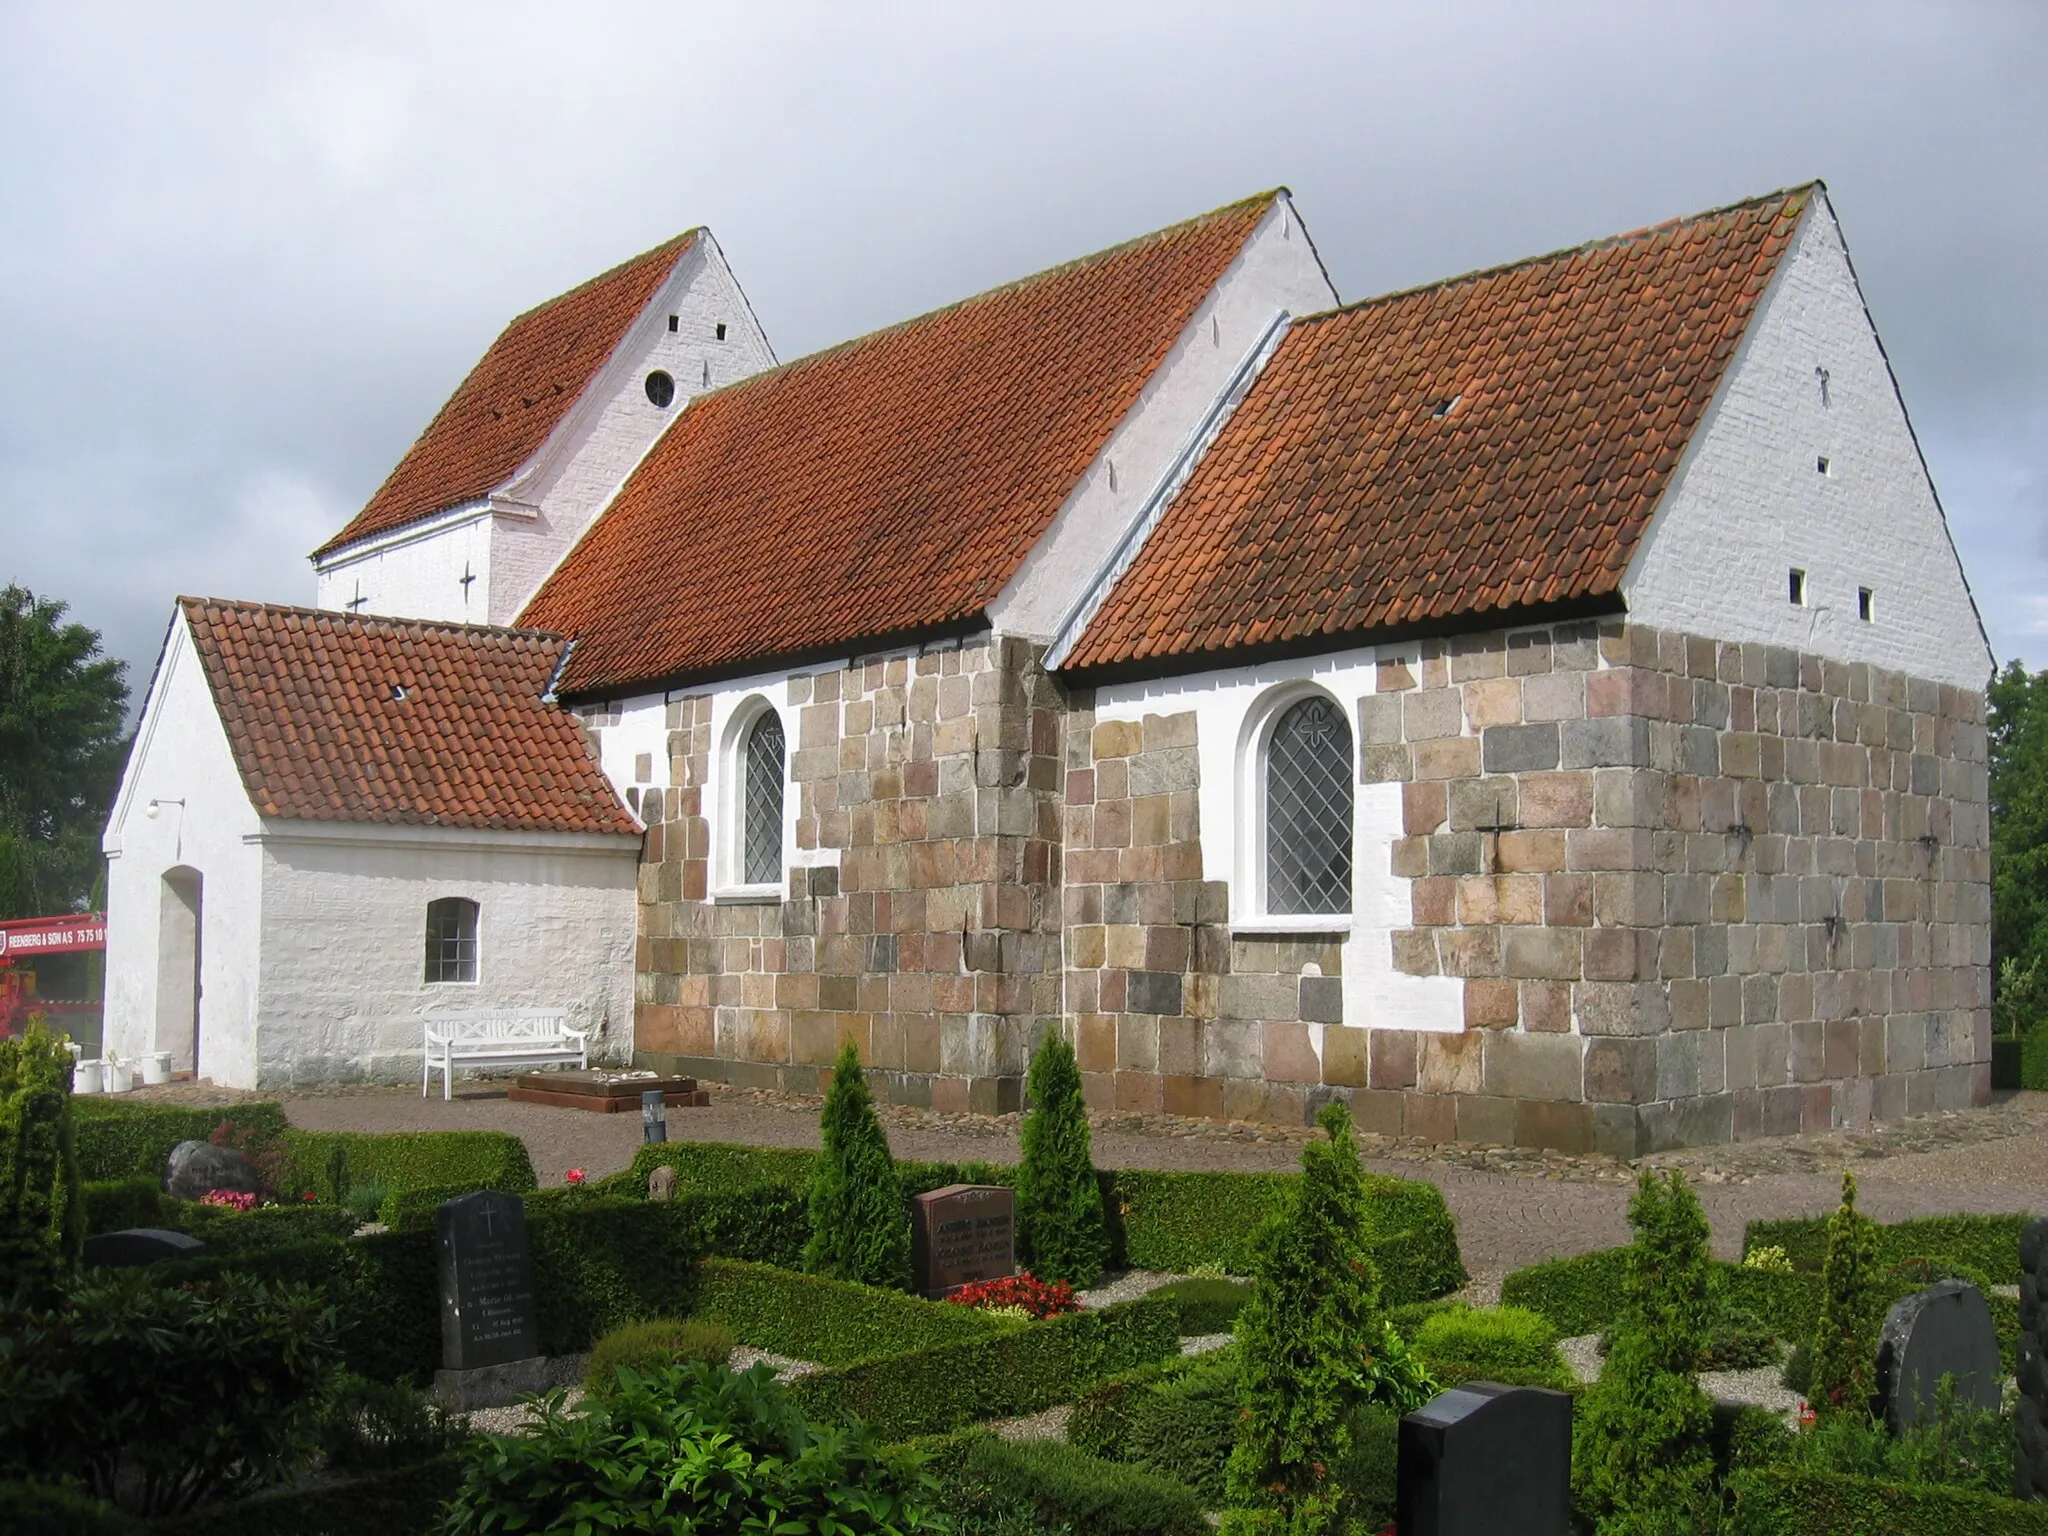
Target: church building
[{"x": 1541, "y": 707}]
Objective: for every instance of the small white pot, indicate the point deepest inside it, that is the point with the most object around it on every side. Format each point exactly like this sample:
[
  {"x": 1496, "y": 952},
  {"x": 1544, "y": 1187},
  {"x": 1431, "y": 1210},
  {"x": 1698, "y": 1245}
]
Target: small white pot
[
  {"x": 156, "y": 1068},
  {"x": 116, "y": 1078},
  {"x": 85, "y": 1077}
]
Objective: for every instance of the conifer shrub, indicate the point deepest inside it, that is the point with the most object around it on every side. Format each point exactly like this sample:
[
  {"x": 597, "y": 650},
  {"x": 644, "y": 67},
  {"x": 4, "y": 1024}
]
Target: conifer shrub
[
  {"x": 1311, "y": 1343},
  {"x": 1844, "y": 1351},
  {"x": 1061, "y": 1232},
  {"x": 42, "y": 1224},
  {"x": 860, "y": 1227},
  {"x": 1642, "y": 1457}
]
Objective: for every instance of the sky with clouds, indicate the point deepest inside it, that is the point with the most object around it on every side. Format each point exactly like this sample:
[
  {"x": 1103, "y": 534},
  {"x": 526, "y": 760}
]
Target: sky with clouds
[{"x": 247, "y": 250}]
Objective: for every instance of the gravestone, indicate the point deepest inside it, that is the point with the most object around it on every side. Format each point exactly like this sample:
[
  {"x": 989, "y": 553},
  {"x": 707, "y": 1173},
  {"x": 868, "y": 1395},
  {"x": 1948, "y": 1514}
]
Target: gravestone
[
  {"x": 490, "y": 1342},
  {"x": 653, "y": 1119},
  {"x": 135, "y": 1246},
  {"x": 1486, "y": 1460},
  {"x": 1944, "y": 1330},
  {"x": 197, "y": 1168},
  {"x": 962, "y": 1233},
  {"x": 661, "y": 1184},
  {"x": 2030, "y": 1454}
]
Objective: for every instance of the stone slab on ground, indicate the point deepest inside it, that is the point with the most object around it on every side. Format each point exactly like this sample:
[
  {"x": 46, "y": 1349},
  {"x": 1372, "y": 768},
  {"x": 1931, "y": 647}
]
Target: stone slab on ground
[{"x": 606, "y": 1092}]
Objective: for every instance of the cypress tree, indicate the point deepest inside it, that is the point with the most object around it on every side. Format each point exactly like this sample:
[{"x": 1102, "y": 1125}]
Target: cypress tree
[
  {"x": 860, "y": 1229},
  {"x": 1059, "y": 1199},
  {"x": 1307, "y": 1340},
  {"x": 1641, "y": 1458},
  {"x": 1844, "y": 1350},
  {"x": 42, "y": 1232}
]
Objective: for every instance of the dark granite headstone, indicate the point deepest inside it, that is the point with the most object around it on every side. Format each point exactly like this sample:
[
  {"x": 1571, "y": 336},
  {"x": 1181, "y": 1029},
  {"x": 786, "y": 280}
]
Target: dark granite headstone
[
  {"x": 486, "y": 1285},
  {"x": 1486, "y": 1460},
  {"x": 197, "y": 1168},
  {"x": 961, "y": 1233},
  {"x": 136, "y": 1246},
  {"x": 1944, "y": 1330},
  {"x": 653, "y": 1117},
  {"x": 2030, "y": 1454}
]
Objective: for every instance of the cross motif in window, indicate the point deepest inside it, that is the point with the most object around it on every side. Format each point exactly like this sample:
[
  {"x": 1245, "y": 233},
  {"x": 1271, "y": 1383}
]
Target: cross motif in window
[{"x": 355, "y": 604}]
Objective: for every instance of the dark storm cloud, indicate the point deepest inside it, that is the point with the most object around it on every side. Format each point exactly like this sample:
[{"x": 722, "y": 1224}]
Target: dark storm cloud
[{"x": 247, "y": 253}]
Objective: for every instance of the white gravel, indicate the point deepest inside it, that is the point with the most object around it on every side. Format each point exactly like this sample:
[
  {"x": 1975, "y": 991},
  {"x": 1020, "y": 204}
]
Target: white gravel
[
  {"x": 745, "y": 1356},
  {"x": 1128, "y": 1286},
  {"x": 1050, "y": 1424},
  {"x": 1760, "y": 1387},
  {"x": 1202, "y": 1343}
]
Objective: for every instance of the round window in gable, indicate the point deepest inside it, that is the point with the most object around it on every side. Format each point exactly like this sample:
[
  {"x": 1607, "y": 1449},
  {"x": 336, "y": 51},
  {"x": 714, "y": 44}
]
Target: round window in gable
[{"x": 661, "y": 389}]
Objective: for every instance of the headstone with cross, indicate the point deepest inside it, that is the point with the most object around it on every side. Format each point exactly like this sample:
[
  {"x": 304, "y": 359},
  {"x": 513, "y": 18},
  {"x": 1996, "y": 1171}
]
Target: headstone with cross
[{"x": 490, "y": 1339}]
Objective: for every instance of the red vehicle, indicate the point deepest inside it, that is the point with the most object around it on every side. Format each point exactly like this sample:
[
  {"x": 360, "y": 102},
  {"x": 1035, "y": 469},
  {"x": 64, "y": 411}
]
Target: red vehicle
[{"x": 21, "y": 941}]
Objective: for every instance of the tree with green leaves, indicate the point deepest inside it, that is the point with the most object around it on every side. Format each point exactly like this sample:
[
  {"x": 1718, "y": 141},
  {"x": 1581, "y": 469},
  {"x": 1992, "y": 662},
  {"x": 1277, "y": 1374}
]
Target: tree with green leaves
[
  {"x": 41, "y": 1226},
  {"x": 1060, "y": 1226},
  {"x": 860, "y": 1227},
  {"x": 62, "y": 705},
  {"x": 1641, "y": 1458},
  {"x": 1844, "y": 1350},
  {"x": 2017, "y": 726},
  {"x": 1309, "y": 1339}
]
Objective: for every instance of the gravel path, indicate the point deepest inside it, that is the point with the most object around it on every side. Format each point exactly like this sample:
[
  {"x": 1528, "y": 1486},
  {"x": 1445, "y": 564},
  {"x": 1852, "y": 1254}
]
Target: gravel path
[{"x": 1513, "y": 1207}]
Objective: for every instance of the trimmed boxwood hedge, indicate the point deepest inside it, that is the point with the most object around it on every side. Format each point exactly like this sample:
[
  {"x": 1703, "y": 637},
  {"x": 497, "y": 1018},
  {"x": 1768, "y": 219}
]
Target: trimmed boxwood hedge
[
  {"x": 1058, "y": 1486},
  {"x": 114, "y": 1205},
  {"x": 831, "y": 1322},
  {"x": 117, "y": 1139},
  {"x": 1002, "y": 1375},
  {"x": 1990, "y": 1244},
  {"x": 408, "y": 1160},
  {"x": 1783, "y": 1502},
  {"x": 404, "y": 1502},
  {"x": 44, "y": 1509},
  {"x": 1160, "y": 1221}
]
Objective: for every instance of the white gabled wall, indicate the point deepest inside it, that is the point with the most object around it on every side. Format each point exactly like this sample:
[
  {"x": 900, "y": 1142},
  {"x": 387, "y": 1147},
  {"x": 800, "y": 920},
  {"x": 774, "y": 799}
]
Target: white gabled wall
[
  {"x": 181, "y": 754},
  {"x": 1277, "y": 271},
  {"x": 1750, "y": 505},
  {"x": 510, "y": 543},
  {"x": 343, "y": 940}
]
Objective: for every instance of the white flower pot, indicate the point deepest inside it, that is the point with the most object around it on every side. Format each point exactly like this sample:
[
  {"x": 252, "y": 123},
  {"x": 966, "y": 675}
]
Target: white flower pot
[
  {"x": 85, "y": 1077},
  {"x": 156, "y": 1068},
  {"x": 116, "y": 1078}
]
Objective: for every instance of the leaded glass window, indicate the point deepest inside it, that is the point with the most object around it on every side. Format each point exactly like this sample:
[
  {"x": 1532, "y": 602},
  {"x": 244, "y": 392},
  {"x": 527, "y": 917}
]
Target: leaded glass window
[
  {"x": 451, "y": 939},
  {"x": 1308, "y": 810},
  {"x": 761, "y": 845}
]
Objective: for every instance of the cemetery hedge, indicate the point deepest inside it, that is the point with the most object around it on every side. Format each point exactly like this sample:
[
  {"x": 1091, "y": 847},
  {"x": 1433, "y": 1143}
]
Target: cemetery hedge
[
  {"x": 1161, "y": 1221},
  {"x": 409, "y": 1160},
  {"x": 1054, "y": 1486},
  {"x": 832, "y": 1322},
  {"x": 114, "y": 1205},
  {"x": 1990, "y": 1244},
  {"x": 1785, "y": 1502},
  {"x": 117, "y": 1140},
  {"x": 404, "y": 1502},
  {"x": 998, "y": 1376}
]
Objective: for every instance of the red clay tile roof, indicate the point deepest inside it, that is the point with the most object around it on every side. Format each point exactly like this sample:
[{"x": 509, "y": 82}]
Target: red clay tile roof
[
  {"x": 525, "y": 384},
  {"x": 1342, "y": 498},
  {"x": 308, "y": 700},
  {"x": 886, "y": 487}
]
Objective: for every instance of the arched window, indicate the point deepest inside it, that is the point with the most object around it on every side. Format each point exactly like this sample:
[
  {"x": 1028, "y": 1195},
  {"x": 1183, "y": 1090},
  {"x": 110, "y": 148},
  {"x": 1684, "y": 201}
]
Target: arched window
[
  {"x": 761, "y": 800},
  {"x": 451, "y": 939},
  {"x": 1308, "y": 810}
]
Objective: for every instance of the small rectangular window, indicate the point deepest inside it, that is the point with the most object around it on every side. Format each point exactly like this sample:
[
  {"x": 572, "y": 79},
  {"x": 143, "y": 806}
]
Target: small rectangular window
[
  {"x": 1796, "y": 588},
  {"x": 1866, "y": 605},
  {"x": 1820, "y": 465},
  {"x": 451, "y": 939}
]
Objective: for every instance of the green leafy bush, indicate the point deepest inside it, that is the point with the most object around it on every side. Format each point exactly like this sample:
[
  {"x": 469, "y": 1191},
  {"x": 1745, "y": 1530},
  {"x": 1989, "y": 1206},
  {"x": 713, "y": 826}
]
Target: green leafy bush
[
  {"x": 42, "y": 1227},
  {"x": 1101, "y": 1418},
  {"x": 160, "y": 1395},
  {"x": 1309, "y": 1343},
  {"x": 115, "y": 1205},
  {"x": 1206, "y": 1306},
  {"x": 1844, "y": 1351},
  {"x": 49, "y": 1509},
  {"x": 376, "y": 1426},
  {"x": 1042, "y": 1485},
  {"x": 831, "y": 1322},
  {"x": 860, "y": 1229},
  {"x": 1641, "y": 1440},
  {"x": 1504, "y": 1344},
  {"x": 1017, "y": 1370},
  {"x": 117, "y": 1138},
  {"x": 1792, "y": 1501},
  {"x": 405, "y": 1501},
  {"x": 1060, "y": 1230},
  {"x": 660, "y": 1341},
  {"x": 227, "y": 1231},
  {"x": 690, "y": 1448},
  {"x": 1958, "y": 1445},
  {"x": 1185, "y": 1425}
]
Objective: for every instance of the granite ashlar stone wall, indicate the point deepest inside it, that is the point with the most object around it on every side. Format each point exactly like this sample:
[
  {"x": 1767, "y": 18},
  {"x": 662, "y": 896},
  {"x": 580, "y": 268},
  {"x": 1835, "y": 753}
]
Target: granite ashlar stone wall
[
  {"x": 1692, "y": 891},
  {"x": 925, "y": 926}
]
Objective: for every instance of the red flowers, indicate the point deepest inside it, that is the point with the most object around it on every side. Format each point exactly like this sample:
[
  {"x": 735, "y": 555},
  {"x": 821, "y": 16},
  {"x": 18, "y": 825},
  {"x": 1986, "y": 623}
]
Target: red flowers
[
  {"x": 309, "y": 1197},
  {"x": 229, "y": 1199},
  {"x": 575, "y": 1176},
  {"x": 1040, "y": 1298}
]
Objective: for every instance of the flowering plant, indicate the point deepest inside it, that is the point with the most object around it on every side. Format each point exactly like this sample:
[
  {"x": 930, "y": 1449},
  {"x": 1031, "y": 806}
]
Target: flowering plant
[
  {"x": 1037, "y": 1298},
  {"x": 575, "y": 1176},
  {"x": 229, "y": 1199}
]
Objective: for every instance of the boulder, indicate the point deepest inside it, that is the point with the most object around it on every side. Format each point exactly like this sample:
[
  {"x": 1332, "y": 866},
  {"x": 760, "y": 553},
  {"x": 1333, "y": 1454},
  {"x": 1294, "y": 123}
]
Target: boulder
[
  {"x": 198, "y": 1168},
  {"x": 661, "y": 1184}
]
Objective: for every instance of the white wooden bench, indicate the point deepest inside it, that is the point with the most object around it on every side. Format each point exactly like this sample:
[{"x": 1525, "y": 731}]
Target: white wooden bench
[{"x": 503, "y": 1037}]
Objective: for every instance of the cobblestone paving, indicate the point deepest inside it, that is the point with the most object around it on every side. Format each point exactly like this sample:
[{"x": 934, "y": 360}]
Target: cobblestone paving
[{"x": 1514, "y": 1206}]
